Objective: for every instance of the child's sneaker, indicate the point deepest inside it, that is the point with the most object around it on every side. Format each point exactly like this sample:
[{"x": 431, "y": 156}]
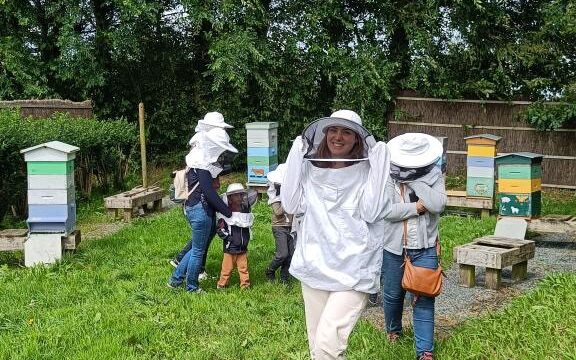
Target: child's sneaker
[
  {"x": 198, "y": 291},
  {"x": 174, "y": 263},
  {"x": 270, "y": 275},
  {"x": 203, "y": 276}
]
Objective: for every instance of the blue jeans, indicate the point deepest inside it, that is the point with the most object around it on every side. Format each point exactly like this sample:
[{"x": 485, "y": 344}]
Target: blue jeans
[
  {"x": 191, "y": 263},
  {"x": 393, "y": 297},
  {"x": 188, "y": 246}
]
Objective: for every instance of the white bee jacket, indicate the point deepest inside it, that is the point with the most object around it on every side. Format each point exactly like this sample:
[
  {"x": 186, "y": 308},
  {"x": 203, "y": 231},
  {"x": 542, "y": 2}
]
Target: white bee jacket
[{"x": 337, "y": 248}]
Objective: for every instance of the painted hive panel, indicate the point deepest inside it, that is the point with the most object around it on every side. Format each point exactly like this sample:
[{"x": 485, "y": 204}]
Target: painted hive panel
[
  {"x": 525, "y": 205},
  {"x": 480, "y": 187}
]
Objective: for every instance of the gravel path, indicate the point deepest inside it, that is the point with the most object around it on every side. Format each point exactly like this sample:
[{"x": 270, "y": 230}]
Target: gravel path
[{"x": 554, "y": 253}]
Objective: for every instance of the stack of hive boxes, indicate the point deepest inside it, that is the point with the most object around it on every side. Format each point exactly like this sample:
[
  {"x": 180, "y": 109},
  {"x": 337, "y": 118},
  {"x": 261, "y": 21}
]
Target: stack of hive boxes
[
  {"x": 51, "y": 200},
  {"x": 481, "y": 151},
  {"x": 519, "y": 184},
  {"x": 262, "y": 152}
]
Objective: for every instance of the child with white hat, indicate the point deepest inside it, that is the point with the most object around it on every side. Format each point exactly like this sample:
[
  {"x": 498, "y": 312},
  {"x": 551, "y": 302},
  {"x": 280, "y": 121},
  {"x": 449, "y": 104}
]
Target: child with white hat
[
  {"x": 235, "y": 232},
  {"x": 418, "y": 196},
  {"x": 281, "y": 228}
]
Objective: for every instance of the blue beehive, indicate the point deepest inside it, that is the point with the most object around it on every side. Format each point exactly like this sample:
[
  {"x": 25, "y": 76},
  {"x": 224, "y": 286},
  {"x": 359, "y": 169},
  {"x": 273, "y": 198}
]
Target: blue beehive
[
  {"x": 262, "y": 152},
  {"x": 51, "y": 190}
]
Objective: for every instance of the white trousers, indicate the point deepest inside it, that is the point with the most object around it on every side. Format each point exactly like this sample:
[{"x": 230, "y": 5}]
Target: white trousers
[{"x": 330, "y": 318}]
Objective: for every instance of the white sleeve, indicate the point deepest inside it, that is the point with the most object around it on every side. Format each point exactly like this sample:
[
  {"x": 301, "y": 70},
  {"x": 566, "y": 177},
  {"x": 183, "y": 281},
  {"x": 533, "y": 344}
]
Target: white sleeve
[
  {"x": 374, "y": 199},
  {"x": 292, "y": 191}
]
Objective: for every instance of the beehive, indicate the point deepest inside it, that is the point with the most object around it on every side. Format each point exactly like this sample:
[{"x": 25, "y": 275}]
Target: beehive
[
  {"x": 481, "y": 151},
  {"x": 51, "y": 190},
  {"x": 519, "y": 184},
  {"x": 262, "y": 151}
]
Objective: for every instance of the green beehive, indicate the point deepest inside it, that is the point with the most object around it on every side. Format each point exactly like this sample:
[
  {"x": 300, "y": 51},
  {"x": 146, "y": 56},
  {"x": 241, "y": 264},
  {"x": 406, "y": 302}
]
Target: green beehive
[{"x": 519, "y": 184}]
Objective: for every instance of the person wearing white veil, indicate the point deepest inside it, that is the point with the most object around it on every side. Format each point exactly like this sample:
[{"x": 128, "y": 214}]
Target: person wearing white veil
[
  {"x": 335, "y": 174},
  {"x": 212, "y": 120},
  {"x": 202, "y": 203}
]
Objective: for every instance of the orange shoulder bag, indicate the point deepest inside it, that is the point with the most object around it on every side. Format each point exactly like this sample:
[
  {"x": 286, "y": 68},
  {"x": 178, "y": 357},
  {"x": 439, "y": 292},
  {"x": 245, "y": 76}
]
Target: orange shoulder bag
[{"x": 419, "y": 280}]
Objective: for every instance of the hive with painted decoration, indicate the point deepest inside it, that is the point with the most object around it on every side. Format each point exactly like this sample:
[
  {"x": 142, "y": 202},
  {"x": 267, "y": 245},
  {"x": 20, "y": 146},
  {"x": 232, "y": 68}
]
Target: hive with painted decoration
[
  {"x": 262, "y": 151},
  {"x": 520, "y": 184}
]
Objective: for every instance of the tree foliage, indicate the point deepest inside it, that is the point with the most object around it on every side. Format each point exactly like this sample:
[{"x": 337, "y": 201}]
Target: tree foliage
[{"x": 283, "y": 60}]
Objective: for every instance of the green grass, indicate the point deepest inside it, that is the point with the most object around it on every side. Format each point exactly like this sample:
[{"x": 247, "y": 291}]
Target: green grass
[{"x": 108, "y": 300}]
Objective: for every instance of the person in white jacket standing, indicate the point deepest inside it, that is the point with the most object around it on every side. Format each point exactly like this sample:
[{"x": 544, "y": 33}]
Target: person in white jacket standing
[{"x": 337, "y": 171}]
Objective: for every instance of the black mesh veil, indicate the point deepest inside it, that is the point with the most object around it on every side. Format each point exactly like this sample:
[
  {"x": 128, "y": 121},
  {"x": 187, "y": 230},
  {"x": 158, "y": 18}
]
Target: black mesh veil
[{"x": 315, "y": 132}]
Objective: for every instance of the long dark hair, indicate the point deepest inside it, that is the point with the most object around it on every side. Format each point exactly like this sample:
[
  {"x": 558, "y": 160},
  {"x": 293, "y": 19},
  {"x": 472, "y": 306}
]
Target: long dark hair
[{"x": 323, "y": 152}]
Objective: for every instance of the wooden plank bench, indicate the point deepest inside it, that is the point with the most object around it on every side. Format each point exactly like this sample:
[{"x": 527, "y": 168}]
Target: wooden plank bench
[
  {"x": 13, "y": 239},
  {"x": 494, "y": 253},
  {"x": 562, "y": 224},
  {"x": 135, "y": 198},
  {"x": 459, "y": 199}
]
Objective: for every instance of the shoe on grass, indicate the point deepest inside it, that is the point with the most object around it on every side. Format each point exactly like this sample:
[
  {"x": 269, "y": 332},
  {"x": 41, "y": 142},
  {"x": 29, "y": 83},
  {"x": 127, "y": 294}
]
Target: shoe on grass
[
  {"x": 173, "y": 286},
  {"x": 174, "y": 263},
  {"x": 426, "y": 355},
  {"x": 203, "y": 276},
  {"x": 393, "y": 337},
  {"x": 198, "y": 291},
  {"x": 373, "y": 300}
]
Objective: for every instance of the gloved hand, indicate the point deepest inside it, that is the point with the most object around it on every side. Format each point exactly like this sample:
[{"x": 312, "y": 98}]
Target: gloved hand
[
  {"x": 378, "y": 154},
  {"x": 299, "y": 146},
  {"x": 222, "y": 230},
  {"x": 371, "y": 142}
]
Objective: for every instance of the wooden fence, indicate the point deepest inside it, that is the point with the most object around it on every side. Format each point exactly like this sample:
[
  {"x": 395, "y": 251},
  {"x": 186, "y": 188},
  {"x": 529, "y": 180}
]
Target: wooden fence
[
  {"x": 45, "y": 108},
  {"x": 456, "y": 119}
]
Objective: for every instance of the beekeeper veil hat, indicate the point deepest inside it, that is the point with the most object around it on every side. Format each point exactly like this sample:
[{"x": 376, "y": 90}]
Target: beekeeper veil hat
[
  {"x": 315, "y": 132},
  {"x": 210, "y": 150}
]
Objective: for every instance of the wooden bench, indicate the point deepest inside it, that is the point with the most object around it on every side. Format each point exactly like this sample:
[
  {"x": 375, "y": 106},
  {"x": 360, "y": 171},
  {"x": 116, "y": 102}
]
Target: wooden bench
[
  {"x": 460, "y": 199},
  {"x": 494, "y": 253},
  {"x": 135, "y": 198},
  {"x": 562, "y": 224},
  {"x": 13, "y": 239}
]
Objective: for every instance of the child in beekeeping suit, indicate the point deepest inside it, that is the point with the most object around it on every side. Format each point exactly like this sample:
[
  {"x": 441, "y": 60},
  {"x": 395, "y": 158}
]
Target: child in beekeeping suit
[
  {"x": 281, "y": 228},
  {"x": 235, "y": 233}
]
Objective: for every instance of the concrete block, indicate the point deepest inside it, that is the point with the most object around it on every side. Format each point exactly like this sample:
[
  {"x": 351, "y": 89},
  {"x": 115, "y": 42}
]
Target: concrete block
[{"x": 42, "y": 249}]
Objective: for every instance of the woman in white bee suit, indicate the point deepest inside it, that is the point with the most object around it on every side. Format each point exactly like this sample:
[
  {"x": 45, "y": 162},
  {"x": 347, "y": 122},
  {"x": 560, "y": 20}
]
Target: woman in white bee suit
[{"x": 335, "y": 174}]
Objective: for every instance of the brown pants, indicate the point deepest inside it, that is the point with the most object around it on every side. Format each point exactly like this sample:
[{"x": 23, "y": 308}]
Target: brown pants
[{"x": 228, "y": 263}]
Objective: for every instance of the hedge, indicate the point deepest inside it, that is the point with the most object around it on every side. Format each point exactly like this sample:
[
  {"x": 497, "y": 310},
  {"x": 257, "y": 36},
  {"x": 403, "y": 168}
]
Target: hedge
[{"x": 104, "y": 159}]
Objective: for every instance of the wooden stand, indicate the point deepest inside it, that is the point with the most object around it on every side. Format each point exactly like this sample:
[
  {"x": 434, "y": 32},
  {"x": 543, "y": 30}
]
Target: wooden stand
[
  {"x": 494, "y": 253},
  {"x": 13, "y": 239},
  {"x": 459, "y": 199},
  {"x": 563, "y": 224},
  {"x": 135, "y": 198}
]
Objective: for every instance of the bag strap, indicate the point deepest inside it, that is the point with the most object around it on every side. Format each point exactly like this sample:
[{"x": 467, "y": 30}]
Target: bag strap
[
  {"x": 405, "y": 235},
  {"x": 194, "y": 187}
]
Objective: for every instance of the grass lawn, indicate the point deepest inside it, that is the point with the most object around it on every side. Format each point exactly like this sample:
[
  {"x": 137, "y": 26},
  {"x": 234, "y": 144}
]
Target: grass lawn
[{"x": 109, "y": 300}]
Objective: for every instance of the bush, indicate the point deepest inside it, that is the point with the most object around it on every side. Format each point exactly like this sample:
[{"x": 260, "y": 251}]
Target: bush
[{"x": 104, "y": 159}]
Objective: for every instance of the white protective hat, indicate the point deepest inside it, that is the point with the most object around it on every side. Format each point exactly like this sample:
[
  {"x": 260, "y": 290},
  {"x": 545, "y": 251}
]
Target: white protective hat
[
  {"x": 314, "y": 133},
  {"x": 214, "y": 119},
  {"x": 235, "y": 188},
  {"x": 414, "y": 150},
  {"x": 276, "y": 176}
]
